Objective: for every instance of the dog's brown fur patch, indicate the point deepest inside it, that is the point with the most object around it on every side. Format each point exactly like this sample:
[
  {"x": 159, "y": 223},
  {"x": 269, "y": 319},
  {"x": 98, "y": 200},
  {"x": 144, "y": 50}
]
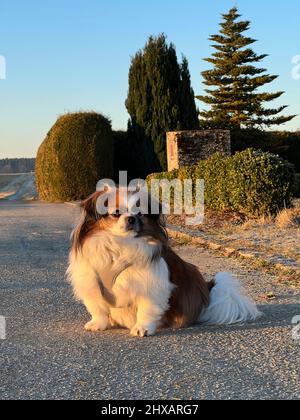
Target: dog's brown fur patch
[
  {"x": 91, "y": 221},
  {"x": 191, "y": 295}
]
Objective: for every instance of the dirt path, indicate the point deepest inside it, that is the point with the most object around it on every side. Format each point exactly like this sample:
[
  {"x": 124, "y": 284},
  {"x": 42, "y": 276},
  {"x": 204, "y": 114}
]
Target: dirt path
[{"x": 47, "y": 354}]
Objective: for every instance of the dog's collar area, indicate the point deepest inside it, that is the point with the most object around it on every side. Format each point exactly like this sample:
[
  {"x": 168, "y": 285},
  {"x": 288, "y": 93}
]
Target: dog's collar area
[
  {"x": 107, "y": 278},
  {"x": 115, "y": 277}
]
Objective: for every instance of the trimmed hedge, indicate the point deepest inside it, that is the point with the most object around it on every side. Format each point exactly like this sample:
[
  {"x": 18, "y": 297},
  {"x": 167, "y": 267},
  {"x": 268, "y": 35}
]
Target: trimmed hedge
[
  {"x": 76, "y": 154},
  {"x": 251, "y": 182}
]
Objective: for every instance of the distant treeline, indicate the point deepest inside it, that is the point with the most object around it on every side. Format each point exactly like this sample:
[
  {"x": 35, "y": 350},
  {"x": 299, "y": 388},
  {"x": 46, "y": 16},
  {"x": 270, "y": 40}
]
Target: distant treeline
[{"x": 11, "y": 166}]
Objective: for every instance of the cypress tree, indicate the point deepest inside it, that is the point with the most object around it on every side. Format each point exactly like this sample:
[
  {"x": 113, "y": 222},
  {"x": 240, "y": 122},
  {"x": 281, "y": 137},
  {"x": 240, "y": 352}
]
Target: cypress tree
[
  {"x": 236, "y": 101},
  {"x": 160, "y": 99}
]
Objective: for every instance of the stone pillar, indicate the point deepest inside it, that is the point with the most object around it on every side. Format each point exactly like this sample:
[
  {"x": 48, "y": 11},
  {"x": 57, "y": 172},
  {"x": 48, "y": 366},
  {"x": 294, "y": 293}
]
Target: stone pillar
[{"x": 185, "y": 148}]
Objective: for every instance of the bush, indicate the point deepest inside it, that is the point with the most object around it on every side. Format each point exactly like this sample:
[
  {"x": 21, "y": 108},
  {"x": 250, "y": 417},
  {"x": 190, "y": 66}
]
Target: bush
[
  {"x": 76, "y": 154},
  {"x": 260, "y": 183},
  {"x": 121, "y": 153},
  {"x": 286, "y": 144},
  {"x": 250, "y": 182},
  {"x": 126, "y": 156},
  {"x": 297, "y": 186}
]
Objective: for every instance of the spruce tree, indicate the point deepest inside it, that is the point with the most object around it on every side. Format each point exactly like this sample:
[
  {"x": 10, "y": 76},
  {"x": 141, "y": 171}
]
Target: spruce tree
[
  {"x": 160, "y": 99},
  {"x": 234, "y": 96}
]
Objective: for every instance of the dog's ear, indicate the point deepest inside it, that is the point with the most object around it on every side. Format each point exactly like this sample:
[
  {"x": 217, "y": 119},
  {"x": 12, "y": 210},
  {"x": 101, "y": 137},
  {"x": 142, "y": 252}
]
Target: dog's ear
[
  {"x": 89, "y": 216},
  {"x": 156, "y": 214},
  {"x": 156, "y": 209},
  {"x": 89, "y": 207}
]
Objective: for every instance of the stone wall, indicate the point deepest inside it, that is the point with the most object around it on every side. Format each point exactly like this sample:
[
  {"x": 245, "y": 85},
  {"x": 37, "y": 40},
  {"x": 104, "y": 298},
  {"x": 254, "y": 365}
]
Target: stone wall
[{"x": 186, "y": 148}]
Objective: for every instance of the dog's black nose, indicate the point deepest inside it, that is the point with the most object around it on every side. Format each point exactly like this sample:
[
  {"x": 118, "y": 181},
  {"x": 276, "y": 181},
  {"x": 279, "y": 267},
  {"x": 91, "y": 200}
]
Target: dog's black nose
[{"x": 131, "y": 220}]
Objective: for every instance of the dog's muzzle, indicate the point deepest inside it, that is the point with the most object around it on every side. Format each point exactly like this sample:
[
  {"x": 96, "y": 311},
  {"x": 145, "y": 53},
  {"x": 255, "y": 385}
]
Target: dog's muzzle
[{"x": 133, "y": 223}]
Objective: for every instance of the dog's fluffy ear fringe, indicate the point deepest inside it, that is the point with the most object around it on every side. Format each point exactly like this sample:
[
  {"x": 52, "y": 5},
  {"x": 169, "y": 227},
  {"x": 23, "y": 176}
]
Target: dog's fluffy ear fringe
[{"x": 88, "y": 215}]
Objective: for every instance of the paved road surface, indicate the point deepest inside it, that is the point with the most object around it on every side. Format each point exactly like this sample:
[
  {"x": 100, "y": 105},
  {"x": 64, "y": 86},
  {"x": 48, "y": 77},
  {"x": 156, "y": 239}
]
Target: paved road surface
[{"x": 47, "y": 354}]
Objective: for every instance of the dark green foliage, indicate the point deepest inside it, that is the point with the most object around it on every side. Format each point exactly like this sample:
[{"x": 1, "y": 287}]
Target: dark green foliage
[
  {"x": 248, "y": 138},
  {"x": 297, "y": 186},
  {"x": 125, "y": 157},
  {"x": 284, "y": 143},
  {"x": 121, "y": 153},
  {"x": 287, "y": 145},
  {"x": 76, "y": 154},
  {"x": 260, "y": 183},
  {"x": 160, "y": 99},
  {"x": 233, "y": 82},
  {"x": 250, "y": 182},
  {"x": 142, "y": 154},
  {"x": 189, "y": 118}
]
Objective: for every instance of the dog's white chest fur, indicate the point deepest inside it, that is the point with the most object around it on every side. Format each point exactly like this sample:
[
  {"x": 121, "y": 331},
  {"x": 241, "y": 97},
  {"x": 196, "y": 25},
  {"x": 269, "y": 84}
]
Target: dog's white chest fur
[
  {"x": 141, "y": 284},
  {"x": 148, "y": 281}
]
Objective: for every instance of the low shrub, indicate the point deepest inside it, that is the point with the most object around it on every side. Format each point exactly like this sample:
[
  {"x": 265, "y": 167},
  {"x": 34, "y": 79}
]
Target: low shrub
[{"x": 251, "y": 182}]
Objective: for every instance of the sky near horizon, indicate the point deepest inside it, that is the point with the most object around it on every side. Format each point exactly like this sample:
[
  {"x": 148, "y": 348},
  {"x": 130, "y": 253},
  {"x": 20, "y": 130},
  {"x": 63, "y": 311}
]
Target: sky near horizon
[{"x": 70, "y": 55}]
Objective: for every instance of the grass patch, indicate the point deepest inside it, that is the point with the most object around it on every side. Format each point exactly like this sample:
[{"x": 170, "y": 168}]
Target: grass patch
[{"x": 288, "y": 218}]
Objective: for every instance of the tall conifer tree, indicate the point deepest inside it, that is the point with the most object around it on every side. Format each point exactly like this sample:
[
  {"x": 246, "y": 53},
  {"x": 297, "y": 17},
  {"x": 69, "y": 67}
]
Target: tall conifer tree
[
  {"x": 234, "y": 96},
  {"x": 160, "y": 99}
]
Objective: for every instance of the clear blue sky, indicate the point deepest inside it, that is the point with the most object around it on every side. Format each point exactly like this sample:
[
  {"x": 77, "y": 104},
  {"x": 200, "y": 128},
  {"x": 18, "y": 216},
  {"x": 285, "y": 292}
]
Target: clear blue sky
[{"x": 70, "y": 55}]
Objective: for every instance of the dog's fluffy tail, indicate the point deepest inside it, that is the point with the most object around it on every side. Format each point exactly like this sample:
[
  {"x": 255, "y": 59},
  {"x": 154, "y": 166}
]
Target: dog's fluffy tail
[{"x": 228, "y": 303}]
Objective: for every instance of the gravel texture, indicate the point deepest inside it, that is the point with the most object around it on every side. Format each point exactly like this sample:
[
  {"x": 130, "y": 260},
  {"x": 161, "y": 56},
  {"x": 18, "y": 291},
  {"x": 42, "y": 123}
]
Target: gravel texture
[{"x": 48, "y": 355}]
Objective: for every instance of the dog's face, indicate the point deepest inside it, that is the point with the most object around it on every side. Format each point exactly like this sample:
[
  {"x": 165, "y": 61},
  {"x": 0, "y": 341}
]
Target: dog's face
[{"x": 118, "y": 216}]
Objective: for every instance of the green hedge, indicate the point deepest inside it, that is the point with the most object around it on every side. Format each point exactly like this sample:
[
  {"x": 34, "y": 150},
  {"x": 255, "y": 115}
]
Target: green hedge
[
  {"x": 251, "y": 182},
  {"x": 76, "y": 154},
  {"x": 286, "y": 144}
]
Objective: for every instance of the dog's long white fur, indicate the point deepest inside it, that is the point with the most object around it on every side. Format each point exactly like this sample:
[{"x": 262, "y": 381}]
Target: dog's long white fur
[
  {"x": 228, "y": 303},
  {"x": 145, "y": 285}
]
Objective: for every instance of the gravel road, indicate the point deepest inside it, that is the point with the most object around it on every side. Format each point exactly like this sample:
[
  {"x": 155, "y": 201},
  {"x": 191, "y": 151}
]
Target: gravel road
[{"x": 48, "y": 355}]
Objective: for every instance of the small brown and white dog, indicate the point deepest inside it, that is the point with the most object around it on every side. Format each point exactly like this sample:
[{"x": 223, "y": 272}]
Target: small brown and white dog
[{"x": 124, "y": 271}]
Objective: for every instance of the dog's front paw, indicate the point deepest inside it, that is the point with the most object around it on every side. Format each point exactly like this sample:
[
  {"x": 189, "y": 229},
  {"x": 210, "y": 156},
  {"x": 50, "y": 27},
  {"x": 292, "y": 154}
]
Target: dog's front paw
[
  {"x": 143, "y": 331},
  {"x": 97, "y": 324}
]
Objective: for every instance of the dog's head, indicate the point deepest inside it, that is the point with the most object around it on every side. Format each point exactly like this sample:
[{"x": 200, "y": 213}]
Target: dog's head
[{"x": 119, "y": 213}]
